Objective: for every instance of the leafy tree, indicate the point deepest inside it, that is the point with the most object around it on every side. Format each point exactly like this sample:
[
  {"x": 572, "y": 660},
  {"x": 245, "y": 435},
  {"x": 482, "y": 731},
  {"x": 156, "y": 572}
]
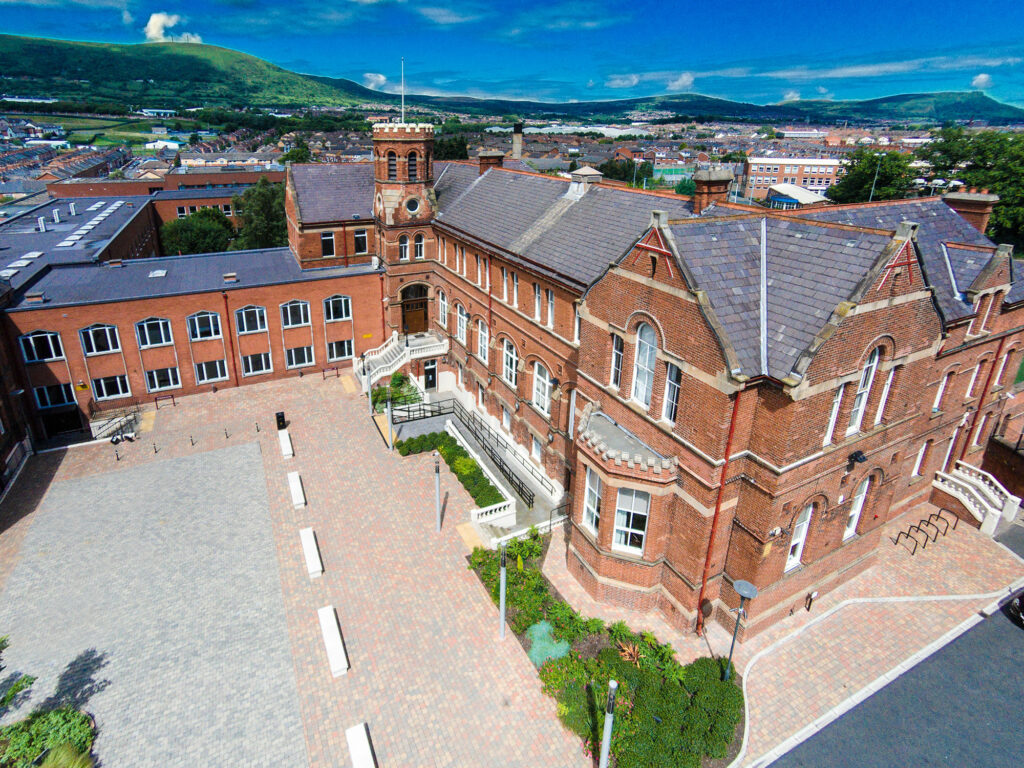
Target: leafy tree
[
  {"x": 626, "y": 170},
  {"x": 193, "y": 139},
  {"x": 768, "y": 131},
  {"x": 987, "y": 160},
  {"x": 452, "y": 148},
  {"x": 736, "y": 156},
  {"x": 207, "y": 230},
  {"x": 873, "y": 175},
  {"x": 573, "y": 165},
  {"x": 260, "y": 211},
  {"x": 298, "y": 154},
  {"x": 177, "y": 161},
  {"x": 686, "y": 187}
]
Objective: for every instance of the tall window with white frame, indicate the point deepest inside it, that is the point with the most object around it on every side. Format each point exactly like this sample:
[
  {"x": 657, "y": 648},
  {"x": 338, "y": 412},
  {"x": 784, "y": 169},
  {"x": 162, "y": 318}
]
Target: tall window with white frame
[
  {"x": 541, "y": 389},
  {"x": 860, "y": 400},
  {"x": 536, "y": 302},
  {"x": 551, "y": 307},
  {"x": 100, "y": 339},
  {"x": 859, "y": 496},
  {"x": 515, "y": 290},
  {"x": 482, "y": 341},
  {"x": 360, "y": 244},
  {"x": 504, "y": 285},
  {"x": 592, "y": 502},
  {"x": 403, "y": 248},
  {"x": 973, "y": 380},
  {"x": 979, "y": 431},
  {"x": 510, "y": 363},
  {"x": 643, "y": 368},
  {"x": 337, "y": 308},
  {"x": 442, "y": 309},
  {"x": 886, "y": 390},
  {"x": 295, "y": 314},
  {"x": 631, "y": 512},
  {"x": 41, "y": 347},
  {"x": 922, "y": 454},
  {"x": 154, "y": 332},
  {"x": 673, "y": 383},
  {"x": 204, "y": 325},
  {"x": 251, "y": 319},
  {"x": 461, "y": 323},
  {"x": 997, "y": 379},
  {"x": 326, "y": 244},
  {"x": 417, "y": 244},
  {"x": 617, "y": 352},
  {"x": 943, "y": 386},
  {"x": 837, "y": 401},
  {"x": 796, "y": 544}
]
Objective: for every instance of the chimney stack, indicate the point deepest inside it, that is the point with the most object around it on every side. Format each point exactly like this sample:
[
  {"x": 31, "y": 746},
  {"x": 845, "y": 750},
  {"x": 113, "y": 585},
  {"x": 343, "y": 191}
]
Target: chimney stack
[
  {"x": 56, "y": 216},
  {"x": 41, "y": 221},
  {"x": 490, "y": 159},
  {"x": 712, "y": 187},
  {"x": 976, "y": 207},
  {"x": 71, "y": 209},
  {"x": 517, "y": 141}
]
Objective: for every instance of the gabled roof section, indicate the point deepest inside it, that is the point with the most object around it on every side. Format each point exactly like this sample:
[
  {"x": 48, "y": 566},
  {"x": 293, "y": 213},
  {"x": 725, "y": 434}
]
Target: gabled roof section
[
  {"x": 529, "y": 216},
  {"x": 330, "y": 192},
  {"x": 810, "y": 269}
]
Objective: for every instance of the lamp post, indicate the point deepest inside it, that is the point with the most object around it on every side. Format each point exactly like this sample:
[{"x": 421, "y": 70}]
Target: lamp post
[
  {"x": 878, "y": 164},
  {"x": 501, "y": 598},
  {"x": 437, "y": 488},
  {"x": 609, "y": 717},
  {"x": 746, "y": 591}
]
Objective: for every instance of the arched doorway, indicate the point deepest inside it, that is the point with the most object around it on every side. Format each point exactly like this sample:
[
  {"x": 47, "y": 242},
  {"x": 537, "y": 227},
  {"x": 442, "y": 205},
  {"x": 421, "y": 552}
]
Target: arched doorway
[{"x": 414, "y": 309}]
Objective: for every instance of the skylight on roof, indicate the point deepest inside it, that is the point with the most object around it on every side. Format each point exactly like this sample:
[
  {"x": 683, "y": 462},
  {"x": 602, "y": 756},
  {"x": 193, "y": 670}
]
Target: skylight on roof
[
  {"x": 66, "y": 244},
  {"x": 158, "y": 273},
  {"x": 32, "y": 255},
  {"x": 19, "y": 263},
  {"x": 7, "y": 274}
]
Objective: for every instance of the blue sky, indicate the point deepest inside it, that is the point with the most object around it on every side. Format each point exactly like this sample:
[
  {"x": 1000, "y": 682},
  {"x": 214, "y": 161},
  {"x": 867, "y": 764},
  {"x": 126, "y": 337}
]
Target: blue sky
[{"x": 561, "y": 50}]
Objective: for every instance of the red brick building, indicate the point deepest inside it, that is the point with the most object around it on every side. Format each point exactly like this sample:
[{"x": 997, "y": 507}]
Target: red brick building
[{"x": 716, "y": 392}]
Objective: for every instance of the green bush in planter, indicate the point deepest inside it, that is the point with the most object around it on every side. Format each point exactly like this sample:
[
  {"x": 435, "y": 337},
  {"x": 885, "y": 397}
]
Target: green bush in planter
[
  {"x": 398, "y": 379},
  {"x": 44, "y": 729},
  {"x": 464, "y": 465}
]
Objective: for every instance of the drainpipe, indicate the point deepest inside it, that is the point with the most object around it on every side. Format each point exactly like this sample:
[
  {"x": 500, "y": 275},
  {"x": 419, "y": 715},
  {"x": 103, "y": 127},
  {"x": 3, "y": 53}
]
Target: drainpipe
[
  {"x": 383, "y": 335},
  {"x": 231, "y": 339},
  {"x": 984, "y": 394},
  {"x": 718, "y": 510}
]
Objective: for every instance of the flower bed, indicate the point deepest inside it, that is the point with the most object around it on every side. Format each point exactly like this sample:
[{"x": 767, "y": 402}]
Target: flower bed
[
  {"x": 459, "y": 461},
  {"x": 400, "y": 390},
  {"x": 667, "y": 715}
]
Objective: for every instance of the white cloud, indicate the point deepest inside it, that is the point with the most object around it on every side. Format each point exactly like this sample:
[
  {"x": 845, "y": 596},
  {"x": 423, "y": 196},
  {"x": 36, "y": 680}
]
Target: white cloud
[
  {"x": 126, "y": 17},
  {"x": 622, "y": 81},
  {"x": 158, "y": 24},
  {"x": 880, "y": 69},
  {"x": 791, "y": 95},
  {"x": 682, "y": 82},
  {"x": 982, "y": 81},
  {"x": 446, "y": 16},
  {"x": 374, "y": 80}
]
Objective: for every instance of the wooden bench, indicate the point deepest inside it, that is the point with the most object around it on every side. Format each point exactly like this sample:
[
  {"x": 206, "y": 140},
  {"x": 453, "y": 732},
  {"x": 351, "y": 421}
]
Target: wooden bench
[
  {"x": 314, "y": 565},
  {"x": 358, "y": 738},
  {"x": 286, "y": 443},
  {"x": 337, "y": 659},
  {"x": 295, "y": 486}
]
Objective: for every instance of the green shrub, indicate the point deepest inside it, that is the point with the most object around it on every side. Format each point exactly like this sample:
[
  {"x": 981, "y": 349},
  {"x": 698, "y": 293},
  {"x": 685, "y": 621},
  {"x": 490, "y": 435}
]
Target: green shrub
[
  {"x": 398, "y": 380},
  {"x": 66, "y": 756},
  {"x": 464, "y": 465},
  {"x": 44, "y": 729}
]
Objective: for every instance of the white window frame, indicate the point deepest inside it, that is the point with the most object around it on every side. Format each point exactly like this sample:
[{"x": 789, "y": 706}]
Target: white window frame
[
  {"x": 943, "y": 385},
  {"x": 153, "y": 386},
  {"x": 515, "y": 290},
  {"x": 144, "y": 333},
  {"x": 327, "y": 237},
  {"x": 332, "y": 357},
  {"x": 403, "y": 248},
  {"x": 997, "y": 380},
  {"x": 480, "y": 395},
  {"x": 673, "y": 385},
  {"x": 542, "y": 389},
  {"x": 799, "y": 538},
  {"x": 66, "y": 389},
  {"x": 222, "y": 371},
  {"x": 536, "y": 449},
  {"x": 592, "y": 502},
  {"x": 978, "y": 430},
  {"x": 859, "y": 496},
  {"x": 510, "y": 363},
  {"x": 916, "y": 472},
  {"x": 482, "y": 340},
  {"x": 98, "y": 384},
  {"x": 551, "y": 307},
  {"x": 627, "y": 507},
  {"x": 290, "y": 354},
  {"x": 360, "y": 233},
  {"x": 506, "y": 419},
  {"x": 487, "y": 274},
  {"x": 863, "y": 394},
  {"x": 287, "y": 321},
  {"x": 618, "y": 353},
  {"x": 461, "y": 323},
  {"x": 53, "y": 342},
  {"x": 536, "y": 302},
  {"x": 242, "y": 313},
  {"x": 972, "y": 382},
  {"x": 833, "y": 417},
  {"x": 268, "y": 369},
  {"x": 643, "y": 385},
  {"x": 195, "y": 333},
  {"x": 91, "y": 332},
  {"x": 442, "y": 308},
  {"x": 504, "y": 285},
  {"x": 880, "y": 413},
  {"x": 417, "y": 247},
  {"x": 337, "y": 301}
]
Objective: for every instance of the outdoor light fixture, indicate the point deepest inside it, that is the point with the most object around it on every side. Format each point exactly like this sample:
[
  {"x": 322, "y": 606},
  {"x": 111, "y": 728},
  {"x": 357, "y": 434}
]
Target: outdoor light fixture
[
  {"x": 857, "y": 457},
  {"x": 746, "y": 591}
]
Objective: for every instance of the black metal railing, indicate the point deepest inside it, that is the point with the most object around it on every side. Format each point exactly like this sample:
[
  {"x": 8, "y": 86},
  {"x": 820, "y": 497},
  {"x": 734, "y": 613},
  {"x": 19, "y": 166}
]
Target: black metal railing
[{"x": 494, "y": 445}]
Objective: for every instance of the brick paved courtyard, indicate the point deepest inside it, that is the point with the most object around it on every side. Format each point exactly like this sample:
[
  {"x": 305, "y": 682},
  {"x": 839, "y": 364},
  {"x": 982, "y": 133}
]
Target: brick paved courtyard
[{"x": 427, "y": 673}]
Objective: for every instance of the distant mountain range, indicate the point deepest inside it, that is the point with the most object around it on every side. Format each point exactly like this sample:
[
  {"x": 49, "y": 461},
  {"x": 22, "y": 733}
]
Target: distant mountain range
[{"x": 190, "y": 75}]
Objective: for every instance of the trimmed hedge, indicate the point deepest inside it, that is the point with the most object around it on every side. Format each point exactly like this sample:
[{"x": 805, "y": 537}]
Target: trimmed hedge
[{"x": 458, "y": 459}]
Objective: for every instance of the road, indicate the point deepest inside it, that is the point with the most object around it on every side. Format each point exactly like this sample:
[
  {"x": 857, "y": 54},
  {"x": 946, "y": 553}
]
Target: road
[{"x": 959, "y": 707}]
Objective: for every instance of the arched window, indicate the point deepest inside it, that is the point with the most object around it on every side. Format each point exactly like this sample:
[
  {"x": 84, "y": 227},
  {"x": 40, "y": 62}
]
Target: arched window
[
  {"x": 100, "y": 339},
  {"x": 294, "y": 314},
  {"x": 337, "y": 308},
  {"x": 154, "y": 332},
  {"x": 796, "y": 544},
  {"x": 418, "y": 246},
  {"x": 461, "y": 322},
  {"x": 860, "y": 400},
  {"x": 643, "y": 370},
  {"x": 204, "y": 325},
  {"x": 510, "y": 364},
  {"x": 392, "y": 166},
  {"x": 922, "y": 456},
  {"x": 403, "y": 248},
  {"x": 943, "y": 386},
  {"x": 857, "y": 507},
  {"x": 997, "y": 380},
  {"x": 442, "y": 309},
  {"x": 541, "y": 389},
  {"x": 482, "y": 340},
  {"x": 251, "y": 319},
  {"x": 41, "y": 346},
  {"x": 413, "y": 166}
]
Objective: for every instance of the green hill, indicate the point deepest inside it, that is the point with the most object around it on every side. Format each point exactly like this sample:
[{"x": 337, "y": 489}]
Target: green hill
[{"x": 190, "y": 75}]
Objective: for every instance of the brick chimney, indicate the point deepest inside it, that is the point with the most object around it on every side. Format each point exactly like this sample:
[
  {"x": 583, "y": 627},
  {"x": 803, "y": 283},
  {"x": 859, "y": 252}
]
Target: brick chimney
[
  {"x": 490, "y": 158},
  {"x": 974, "y": 206},
  {"x": 712, "y": 187},
  {"x": 517, "y": 141}
]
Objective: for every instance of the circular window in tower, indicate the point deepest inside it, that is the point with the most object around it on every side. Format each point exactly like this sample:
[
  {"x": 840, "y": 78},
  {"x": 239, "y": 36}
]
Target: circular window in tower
[{"x": 412, "y": 205}]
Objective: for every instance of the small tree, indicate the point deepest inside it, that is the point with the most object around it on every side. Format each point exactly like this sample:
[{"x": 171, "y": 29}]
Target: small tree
[
  {"x": 686, "y": 187},
  {"x": 873, "y": 176},
  {"x": 573, "y": 165},
  {"x": 298, "y": 154},
  {"x": 207, "y": 230},
  {"x": 260, "y": 211},
  {"x": 193, "y": 139}
]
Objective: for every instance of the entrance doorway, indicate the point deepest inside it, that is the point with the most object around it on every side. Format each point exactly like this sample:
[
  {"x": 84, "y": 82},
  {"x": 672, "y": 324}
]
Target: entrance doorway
[
  {"x": 60, "y": 422},
  {"x": 414, "y": 309},
  {"x": 430, "y": 375}
]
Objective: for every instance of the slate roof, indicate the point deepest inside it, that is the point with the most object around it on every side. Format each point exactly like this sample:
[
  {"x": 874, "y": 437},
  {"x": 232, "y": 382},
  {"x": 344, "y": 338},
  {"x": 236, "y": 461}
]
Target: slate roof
[
  {"x": 191, "y": 194},
  {"x": 810, "y": 270},
  {"x": 531, "y": 217},
  {"x": 78, "y": 284},
  {"x": 939, "y": 224},
  {"x": 333, "y": 192}
]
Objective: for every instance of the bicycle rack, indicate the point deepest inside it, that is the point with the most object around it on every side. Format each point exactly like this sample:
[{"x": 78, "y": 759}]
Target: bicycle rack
[
  {"x": 909, "y": 538},
  {"x": 936, "y": 516},
  {"x": 929, "y": 523},
  {"x": 927, "y": 536},
  {"x": 956, "y": 520}
]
